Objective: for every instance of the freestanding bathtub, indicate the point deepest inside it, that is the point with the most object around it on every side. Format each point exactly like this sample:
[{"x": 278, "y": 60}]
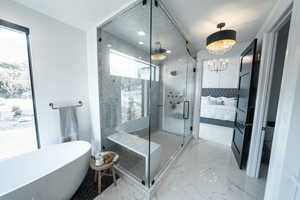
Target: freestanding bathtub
[{"x": 51, "y": 173}]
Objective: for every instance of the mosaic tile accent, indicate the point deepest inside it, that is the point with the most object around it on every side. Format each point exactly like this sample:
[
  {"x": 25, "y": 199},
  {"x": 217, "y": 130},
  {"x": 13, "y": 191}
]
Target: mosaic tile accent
[{"x": 220, "y": 92}]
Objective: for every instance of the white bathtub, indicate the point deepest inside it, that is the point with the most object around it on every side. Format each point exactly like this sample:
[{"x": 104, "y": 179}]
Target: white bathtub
[{"x": 51, "y": 173}]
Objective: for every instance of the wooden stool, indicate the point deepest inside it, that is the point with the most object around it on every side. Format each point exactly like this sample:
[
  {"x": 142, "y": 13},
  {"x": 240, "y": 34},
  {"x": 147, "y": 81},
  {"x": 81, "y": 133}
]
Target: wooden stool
[{"x": 103, "y": 170}]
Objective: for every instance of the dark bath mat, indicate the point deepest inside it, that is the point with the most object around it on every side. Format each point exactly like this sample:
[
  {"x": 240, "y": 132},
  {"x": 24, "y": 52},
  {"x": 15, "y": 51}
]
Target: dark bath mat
[{"x": 88, "y": 189}]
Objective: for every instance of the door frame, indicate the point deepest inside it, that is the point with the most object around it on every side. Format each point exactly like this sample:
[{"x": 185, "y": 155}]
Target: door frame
[
  {"x": 282, "y": 168},
  {"x": 197, "y": 96},
  {"x": 263, "y": 94}
]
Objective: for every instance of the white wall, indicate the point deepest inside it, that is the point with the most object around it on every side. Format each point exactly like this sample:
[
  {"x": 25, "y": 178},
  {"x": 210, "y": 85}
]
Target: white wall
[
  {"x": 59, "y": 68},
  {"x": 225, "y": 79},
  {"x": 93, "y": 84},
  {"x": 285, "y": 162},
  {"x": 219, "y": 134}
]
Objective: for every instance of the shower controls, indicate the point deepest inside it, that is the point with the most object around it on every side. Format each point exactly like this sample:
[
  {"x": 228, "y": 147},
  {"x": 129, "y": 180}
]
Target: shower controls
[{"x": 174, "y": 99}]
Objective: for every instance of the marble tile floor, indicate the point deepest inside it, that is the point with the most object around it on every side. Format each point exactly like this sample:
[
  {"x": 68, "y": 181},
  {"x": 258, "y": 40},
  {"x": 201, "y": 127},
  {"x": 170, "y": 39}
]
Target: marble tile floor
[{"x": 205, "y": 171}]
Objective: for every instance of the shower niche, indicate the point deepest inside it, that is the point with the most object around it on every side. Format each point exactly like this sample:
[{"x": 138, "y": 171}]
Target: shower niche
[{"x": 146, "y": 86}]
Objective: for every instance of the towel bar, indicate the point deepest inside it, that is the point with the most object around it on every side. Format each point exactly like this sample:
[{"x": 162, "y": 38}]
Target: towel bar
[{"x": 78, "y": 105}]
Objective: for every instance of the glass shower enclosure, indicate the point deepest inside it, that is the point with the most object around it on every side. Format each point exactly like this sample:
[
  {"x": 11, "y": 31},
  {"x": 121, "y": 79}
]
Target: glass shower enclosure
[{"x": 146, "y": 84}]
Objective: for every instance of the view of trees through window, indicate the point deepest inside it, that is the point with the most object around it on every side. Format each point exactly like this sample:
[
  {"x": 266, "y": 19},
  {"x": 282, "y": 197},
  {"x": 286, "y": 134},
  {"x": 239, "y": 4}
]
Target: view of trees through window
[
  {"x": 134, "y": 74},
  {"x": 17, "y": 127},
  {"x": 131, "y": 99}
]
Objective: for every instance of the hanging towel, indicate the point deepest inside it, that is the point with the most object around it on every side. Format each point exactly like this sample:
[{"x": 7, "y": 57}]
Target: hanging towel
[{"x": 68, "y": 124}]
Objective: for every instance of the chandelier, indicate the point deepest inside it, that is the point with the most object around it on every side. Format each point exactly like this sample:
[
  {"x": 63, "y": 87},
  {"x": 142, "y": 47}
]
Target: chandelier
[
  {"x": 217, "y": 65},
  {"x": 222, "y": 41}
]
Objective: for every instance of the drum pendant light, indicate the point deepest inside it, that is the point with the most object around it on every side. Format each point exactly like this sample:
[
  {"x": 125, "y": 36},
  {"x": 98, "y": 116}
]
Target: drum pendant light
[
  {"x": 222, "y": 41},
  {"x": 159, "y": 54}
]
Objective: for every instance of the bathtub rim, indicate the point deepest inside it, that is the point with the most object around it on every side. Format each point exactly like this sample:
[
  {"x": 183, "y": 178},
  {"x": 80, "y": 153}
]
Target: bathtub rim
[{"x": 50, "y": 171}]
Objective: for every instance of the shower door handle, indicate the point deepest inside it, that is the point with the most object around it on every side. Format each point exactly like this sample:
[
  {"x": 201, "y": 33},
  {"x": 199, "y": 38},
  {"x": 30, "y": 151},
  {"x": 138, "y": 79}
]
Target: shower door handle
[{"x": 186, "y": 110}]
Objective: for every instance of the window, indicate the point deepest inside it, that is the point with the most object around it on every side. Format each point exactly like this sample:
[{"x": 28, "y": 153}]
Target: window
[
  {"x": 131, "y": 99},
  {"x": 134, "y": 76},
  {"x": 130, "y": 67},
  {"x": 17, "y": 117}
]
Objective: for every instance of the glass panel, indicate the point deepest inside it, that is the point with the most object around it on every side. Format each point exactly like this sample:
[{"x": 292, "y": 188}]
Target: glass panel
[
  {"x": 171, "y": 96},
  {"x": 190, "y": 91},
  {"x": 145, "y": 103},
  {"x": 17, "y": 126},
  {"x": 124, "y": 71}
]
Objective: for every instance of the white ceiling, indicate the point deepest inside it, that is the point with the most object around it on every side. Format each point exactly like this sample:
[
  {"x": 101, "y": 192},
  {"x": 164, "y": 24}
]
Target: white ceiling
[
  {"x": 82, "y": 14},
  {"x": 126, "y": 26},
  {"x": 196, "y": 18}
]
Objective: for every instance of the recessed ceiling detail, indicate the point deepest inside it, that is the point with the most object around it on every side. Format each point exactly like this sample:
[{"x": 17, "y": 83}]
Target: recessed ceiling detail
[{"x": 141, "y": 33}]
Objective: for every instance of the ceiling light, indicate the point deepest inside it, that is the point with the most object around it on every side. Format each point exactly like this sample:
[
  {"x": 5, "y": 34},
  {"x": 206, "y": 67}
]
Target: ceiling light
[
  {"x": 169, "y": 51},
  {"x": 141, "y": 43},
  {"x": 218, "y": 65},
  {"x": 159, "y": 53},
  {"x": 158, "y": 57},
  {"x": 222, "y": 41},
  {"x": 141, "y": 33}
]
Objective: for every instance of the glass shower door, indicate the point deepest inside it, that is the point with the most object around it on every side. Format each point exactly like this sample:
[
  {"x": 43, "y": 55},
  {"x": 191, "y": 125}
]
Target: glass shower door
[
  {"x": 124, "y": 71},
  {"x": 190, "y": 91},
  {"x": 170, "y": 95},
  {"x": 145, "y": 90}
]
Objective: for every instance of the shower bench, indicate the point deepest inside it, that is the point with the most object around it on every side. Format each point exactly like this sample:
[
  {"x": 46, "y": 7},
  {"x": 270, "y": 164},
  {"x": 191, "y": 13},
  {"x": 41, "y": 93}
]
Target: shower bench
[{"x": 140, "y": 146}]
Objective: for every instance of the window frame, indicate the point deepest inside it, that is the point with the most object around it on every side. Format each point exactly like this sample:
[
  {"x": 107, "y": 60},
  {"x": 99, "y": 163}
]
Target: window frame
[
  {"x": 137, "y": 60},
  {"x": 16, "y": 27}
]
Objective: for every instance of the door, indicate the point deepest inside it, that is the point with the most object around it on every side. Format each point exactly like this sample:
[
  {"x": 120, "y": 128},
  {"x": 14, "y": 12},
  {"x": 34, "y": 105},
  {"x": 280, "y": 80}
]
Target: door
[
  {"x": 245, "y": 105},
  {"x": 124, "y": 83},
  {"x": 170, "y": 92},
  {"x": 188, "y": 107}
]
